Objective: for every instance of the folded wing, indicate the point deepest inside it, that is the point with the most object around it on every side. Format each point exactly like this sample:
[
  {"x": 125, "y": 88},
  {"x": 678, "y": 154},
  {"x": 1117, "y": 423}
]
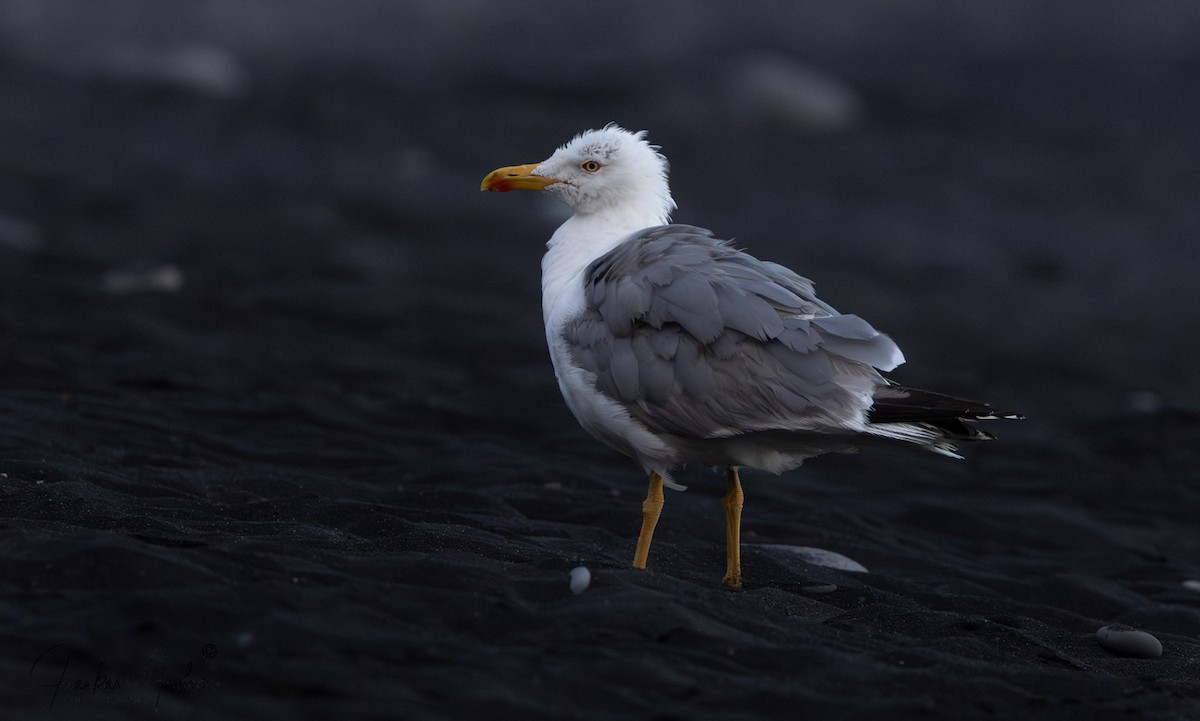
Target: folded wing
[{"x": 701, "y": 340}]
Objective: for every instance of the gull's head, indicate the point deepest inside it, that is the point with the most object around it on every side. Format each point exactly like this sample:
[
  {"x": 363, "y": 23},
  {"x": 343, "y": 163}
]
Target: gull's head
[{"x": 606, "y": 170}]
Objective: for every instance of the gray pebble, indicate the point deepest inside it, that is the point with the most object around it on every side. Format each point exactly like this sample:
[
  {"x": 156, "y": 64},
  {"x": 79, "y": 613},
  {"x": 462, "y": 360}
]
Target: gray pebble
[
  {"x": 820, "y": 588},
  {"x": 160, "y": 279},
  {"x": 1129, "y": 641},
  {"x": 19, "y": 234},
  {"x": 202, "y": 69},
  {"x": 815, "y": 556},
  {"x": 581, "y": 578},
  {"x": 776, "y": 88}
]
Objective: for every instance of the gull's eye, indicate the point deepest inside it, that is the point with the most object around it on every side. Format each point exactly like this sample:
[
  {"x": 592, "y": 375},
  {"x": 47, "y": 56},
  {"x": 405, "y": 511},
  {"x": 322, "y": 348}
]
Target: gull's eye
[{"x": 590, "y": 166}]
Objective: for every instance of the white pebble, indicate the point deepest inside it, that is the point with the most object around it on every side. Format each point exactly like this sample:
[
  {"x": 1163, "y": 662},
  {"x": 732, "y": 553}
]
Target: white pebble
[
  {"x": 1192, "y": 584},
  {"x": 581, "y": 577}
]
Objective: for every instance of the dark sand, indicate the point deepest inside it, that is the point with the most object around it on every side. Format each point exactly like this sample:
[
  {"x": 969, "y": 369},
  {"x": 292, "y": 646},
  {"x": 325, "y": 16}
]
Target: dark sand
[{"x": 279, "y": 437}]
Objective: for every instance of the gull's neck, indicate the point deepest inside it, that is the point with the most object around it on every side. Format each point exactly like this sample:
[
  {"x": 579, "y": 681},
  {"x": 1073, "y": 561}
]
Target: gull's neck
[{"x": 584, "y": 238}]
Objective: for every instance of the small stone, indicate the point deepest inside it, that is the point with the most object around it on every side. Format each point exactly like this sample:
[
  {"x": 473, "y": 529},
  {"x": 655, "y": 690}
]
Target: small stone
[
  {"x": 1145, "y": 402},
  {"x": 1128, "y": 641},
  {"x": 777, "y": 88},
  {"x": 19, "y": 234},
  {"x": 581, "y": 577},
  {"x": 1192, "y": 584},
  {"x": 159, "y": 279},
  {"x": 820, "y": 588},
  {"x": 817, "y": 557},
  {"x": 201, "y": 69}
]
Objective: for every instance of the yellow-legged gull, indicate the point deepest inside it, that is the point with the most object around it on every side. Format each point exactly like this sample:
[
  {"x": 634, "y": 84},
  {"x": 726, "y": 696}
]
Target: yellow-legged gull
[{"x": 671, "y": 346}]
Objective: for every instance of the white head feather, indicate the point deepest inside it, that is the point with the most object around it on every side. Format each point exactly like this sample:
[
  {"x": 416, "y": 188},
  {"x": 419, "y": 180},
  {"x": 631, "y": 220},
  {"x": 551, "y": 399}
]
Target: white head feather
[{"x": 611, "y": 168}]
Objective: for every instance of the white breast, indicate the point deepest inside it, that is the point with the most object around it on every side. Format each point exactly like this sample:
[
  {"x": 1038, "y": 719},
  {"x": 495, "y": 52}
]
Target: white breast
[{"x": 607, "y": 420}]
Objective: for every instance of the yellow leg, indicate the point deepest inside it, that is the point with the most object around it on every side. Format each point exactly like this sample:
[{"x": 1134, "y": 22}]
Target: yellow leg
[
  {"x": 651, "y": 508},
  {"x": 732, "y": 503}
]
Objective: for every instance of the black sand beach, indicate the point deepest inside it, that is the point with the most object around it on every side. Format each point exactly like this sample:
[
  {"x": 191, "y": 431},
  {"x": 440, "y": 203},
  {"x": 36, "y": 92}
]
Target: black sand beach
[{"x": 279, "y": 436}]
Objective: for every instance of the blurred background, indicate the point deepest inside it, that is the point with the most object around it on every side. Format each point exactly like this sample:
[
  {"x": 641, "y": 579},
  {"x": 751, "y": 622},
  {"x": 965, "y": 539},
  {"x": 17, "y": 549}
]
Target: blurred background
[
  {"x": 1009, "y": 190},
  {"x": 256, "y": 316}
]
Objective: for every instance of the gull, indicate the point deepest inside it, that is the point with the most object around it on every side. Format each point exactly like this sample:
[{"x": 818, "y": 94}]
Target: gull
[{"x": 672, "y": 346}]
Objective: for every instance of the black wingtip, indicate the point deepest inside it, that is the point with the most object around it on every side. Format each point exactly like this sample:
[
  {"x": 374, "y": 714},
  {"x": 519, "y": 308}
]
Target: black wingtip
[{"x": 899, "y": 404}]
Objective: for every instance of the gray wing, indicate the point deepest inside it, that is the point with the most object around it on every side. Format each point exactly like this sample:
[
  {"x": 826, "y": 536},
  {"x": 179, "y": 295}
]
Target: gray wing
[{"x": 701, "y": 340}]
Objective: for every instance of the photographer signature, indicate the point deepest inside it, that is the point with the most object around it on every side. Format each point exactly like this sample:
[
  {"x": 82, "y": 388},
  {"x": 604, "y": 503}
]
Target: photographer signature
[{"x": 53, "y": 669}]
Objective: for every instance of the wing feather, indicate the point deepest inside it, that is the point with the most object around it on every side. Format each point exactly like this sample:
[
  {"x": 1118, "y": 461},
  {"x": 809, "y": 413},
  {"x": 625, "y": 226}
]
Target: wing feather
[{"x": 699, "y": 339}]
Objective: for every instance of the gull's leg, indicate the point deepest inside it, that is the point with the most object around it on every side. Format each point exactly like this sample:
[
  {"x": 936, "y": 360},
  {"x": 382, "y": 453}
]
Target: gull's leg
[
  {"x": 732, "y": 503},
  {"x": 650, "y": 510}
]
